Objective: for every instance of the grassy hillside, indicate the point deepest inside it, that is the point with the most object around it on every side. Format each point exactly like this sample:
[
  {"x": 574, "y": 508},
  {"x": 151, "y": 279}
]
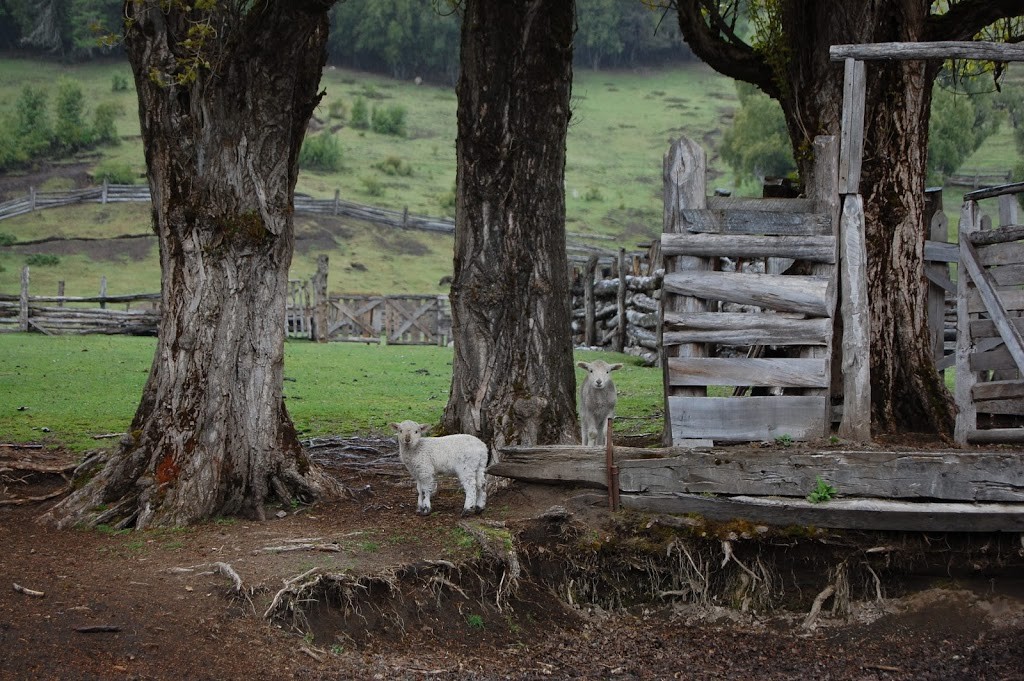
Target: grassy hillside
[{"x": 622, "y": 123}]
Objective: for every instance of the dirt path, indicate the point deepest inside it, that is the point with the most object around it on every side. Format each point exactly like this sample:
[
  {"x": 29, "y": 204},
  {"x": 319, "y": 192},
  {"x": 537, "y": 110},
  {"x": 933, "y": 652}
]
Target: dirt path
[{"x": 152, "y": 605}]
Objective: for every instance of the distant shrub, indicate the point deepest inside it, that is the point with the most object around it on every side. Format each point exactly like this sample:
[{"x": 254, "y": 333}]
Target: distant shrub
[
  {"x": 360, "y": 116},
  {"x": 337, "y": 109},
  {"x": 7, "y": 239},
  {"x": 393, "y": 165},
  {"x": 389, "y": 120},
  {"x": 104, "y": 127},
  {"x": 447, "y": 201},
  {"x": 11, "y": 153},
  {"x": 42, "y": 260},
  {"x": 70, "y": 130},
  {"x": 593, "y": 194},
  {"x": 34, "y": 134},
  {"x": 119, "y": 83},
  {"x": 373, "y": 186},
  {"x": 114, "y": 172},
  {"x": 321, "y": 152}
]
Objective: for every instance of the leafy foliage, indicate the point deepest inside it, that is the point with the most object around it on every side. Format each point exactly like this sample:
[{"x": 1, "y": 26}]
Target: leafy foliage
[
  {"x": 114, "y": 172},
  {"x": 822, "y": 492},
  {"x": 757, "y": 145},
  {"x": 360, "y": 118},
  {"x": 104, "y": 128},
  {"x": 389, "y": 120},
  {"x": 960, "y": 123},
  {"x": 321, "y": 152}
]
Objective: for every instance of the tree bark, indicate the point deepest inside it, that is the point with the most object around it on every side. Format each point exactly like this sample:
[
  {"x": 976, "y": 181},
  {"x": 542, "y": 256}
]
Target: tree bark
[
  {"x": 222, "y": 125},
  {"x": 513, "y": 377},
  {"x": 907, "y": 391}
]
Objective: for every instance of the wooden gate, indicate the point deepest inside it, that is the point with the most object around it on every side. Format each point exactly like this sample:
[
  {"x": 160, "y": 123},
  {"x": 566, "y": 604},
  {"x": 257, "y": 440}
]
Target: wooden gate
[
  {"x": 717, "y": 325},
  {"x": 990, "y": 347},
  {"x": 399, "y": 319}
]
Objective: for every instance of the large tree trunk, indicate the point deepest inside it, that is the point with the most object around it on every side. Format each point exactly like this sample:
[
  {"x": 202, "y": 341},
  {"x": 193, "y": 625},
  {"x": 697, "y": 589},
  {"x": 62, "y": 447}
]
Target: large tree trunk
[
  {"x": 513, "y": 377},
  {"x": 907, "y": 390},
  {"x": 211, "y": 435}
]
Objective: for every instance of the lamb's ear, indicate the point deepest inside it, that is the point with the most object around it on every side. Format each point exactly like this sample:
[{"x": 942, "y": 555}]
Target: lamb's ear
[
  {"x": 394, "y": 426},
  {"x": 425, "y": 428},
  {"x": 583, "y": 365},
  {"x": 614, "y": 367}
]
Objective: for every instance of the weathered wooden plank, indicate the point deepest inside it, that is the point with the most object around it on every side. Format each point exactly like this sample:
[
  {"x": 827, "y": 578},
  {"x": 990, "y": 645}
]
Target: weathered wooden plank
[
  {"x": 856, "y": 421},
  {"x": 1008, "y": 275},
  {"x": 709, "y": 221},
  {"x": 1002, "y": 407},
  {"x": 852, "y": 127},
  {"x": 997, "y": 359},
  {"x": 811, "y": 248},
  {"x": 744, "y": 328},
  {"x": 999, "y": 235},
  {"x": 992, "y": 192},
  {"x": 787, "y": 293},
  {"x": 986, "y": 328},
  {"x": 783, "y": 373},
  {"x": 1011, "y": 299},
  {"x": 1001, "y": 254},
  {"x": 997, "y": 436},
  {"x": 966, "y": 414},
  {"x": 950, "y": 475},
  {"x": 997, "y": 390},
  {"x": 852, "y": 514},
  {"x": 763, "y": 205},
  {"x": 945, "y": 49},
  {"x": 985, "y": 287},
  {"x": 940, "y": 251},
  {"x": 747, "y": 419}
]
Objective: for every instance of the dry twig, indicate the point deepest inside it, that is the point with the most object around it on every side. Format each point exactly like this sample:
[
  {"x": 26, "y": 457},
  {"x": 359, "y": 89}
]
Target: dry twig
[{"x": 28, "y": 592}]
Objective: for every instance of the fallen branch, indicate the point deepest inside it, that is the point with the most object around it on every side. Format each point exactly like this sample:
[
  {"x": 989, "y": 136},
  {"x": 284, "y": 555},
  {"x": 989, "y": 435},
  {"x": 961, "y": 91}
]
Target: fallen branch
[
  {"x": 33, "y": 500},
  {"x": 105, "y": 436},
  {"x": 332, "y": 548},
  {"x": 316, "y": 656},
  {"x": 98, "y": 629},
  {"x": 18, "y": 466},
  {"x": 15, "y": 445},
  {"x": 228, "y": 571},
  {"x": 29, "y": 592}
]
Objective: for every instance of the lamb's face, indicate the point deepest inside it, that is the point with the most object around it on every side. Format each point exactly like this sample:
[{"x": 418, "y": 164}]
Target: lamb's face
[
  {"x": 599, "y": 372},
  {"x": 409, "y": 433}
]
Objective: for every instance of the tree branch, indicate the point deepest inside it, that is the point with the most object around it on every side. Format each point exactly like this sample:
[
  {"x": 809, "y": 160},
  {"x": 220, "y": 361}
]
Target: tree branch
[
  {"x": 731, "y": 58},
  {"x": 965, "y": 19}
]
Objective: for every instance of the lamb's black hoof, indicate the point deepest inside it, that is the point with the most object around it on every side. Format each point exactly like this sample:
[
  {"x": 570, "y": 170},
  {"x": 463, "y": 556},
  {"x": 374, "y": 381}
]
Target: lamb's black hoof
[
  {"x": 420, "y": 511},
  {"x": 477, "y": 510},
  {"x": 466, "y": 512}
]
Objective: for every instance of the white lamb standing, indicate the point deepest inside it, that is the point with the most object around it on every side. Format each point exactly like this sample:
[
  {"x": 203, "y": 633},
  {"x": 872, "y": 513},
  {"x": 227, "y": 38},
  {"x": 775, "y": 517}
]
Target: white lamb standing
[
  {"x": 597, "y": 401},
  {"x": 463, "y": 455}
]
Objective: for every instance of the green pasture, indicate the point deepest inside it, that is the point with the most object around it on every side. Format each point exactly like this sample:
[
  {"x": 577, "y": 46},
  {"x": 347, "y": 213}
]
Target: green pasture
[{"x": 65, "y": 390}]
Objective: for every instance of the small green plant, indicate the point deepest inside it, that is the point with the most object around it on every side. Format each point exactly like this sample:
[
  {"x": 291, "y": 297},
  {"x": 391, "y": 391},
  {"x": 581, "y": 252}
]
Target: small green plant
[
  {"x": 225, "y": 522},
  {"x": 393, "y": 165},
  {"x": 822, "y": 492},
  {"x": 114, "y": 172},
  {"x": 337, "y": 109},
  {"x": 7, "y": 239},
  {"x": 369, "y": 546},
  {"x": 42, "y": 260},
  {"x": 834, "y": 440},
  {"x": 389, "y": 120},
  {"x": 475, "y": 621},
  {"x": 463, "y": 539},
  {"x": 593, "y": 194},
  {"x": 784, "y": 440},
  {"x": 337, "y": 649},
  {"x": 321, "y": 152},
  {"x": 373, "y": 186},
  {"x": 360, "y": 117},
  {"x": 119, "y": 83}
]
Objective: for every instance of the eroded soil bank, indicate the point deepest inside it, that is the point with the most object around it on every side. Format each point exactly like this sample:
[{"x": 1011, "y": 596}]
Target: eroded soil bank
[{"x": 538, "y": 587}]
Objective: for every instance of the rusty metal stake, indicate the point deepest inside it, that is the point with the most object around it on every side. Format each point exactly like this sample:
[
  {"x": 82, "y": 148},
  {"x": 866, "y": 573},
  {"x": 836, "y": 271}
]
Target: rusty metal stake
[{"x": 612, "y": 469}]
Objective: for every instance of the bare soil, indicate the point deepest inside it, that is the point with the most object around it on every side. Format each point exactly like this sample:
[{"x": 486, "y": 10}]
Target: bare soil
[{"x": 395, "y": 596}]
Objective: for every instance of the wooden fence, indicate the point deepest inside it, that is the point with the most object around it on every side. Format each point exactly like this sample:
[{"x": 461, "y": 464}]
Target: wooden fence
[
  {"x": 709, "y": 313},
  {"x": 990, "y": 301}
]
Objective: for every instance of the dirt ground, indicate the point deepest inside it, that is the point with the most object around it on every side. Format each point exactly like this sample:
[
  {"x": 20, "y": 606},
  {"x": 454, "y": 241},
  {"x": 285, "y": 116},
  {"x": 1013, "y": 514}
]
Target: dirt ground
[{"x": 405, "y": 597}]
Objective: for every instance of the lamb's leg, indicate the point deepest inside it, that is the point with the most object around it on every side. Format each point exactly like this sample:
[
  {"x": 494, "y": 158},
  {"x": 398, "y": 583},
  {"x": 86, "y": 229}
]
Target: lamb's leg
[
  {"x": 468, "y": 481},
  {"x": 426, "y": 488},
  {"x": 481, "y": 489}
]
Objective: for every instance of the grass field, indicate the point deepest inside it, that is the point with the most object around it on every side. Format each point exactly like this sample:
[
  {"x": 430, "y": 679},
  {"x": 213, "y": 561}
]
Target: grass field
[{"x": 64, "y": 390}]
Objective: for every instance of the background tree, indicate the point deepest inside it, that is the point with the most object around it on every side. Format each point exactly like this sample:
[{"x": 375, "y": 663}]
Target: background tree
[
  {"x": 226, "y": 90},
  {"x": 789, "y": 60},
  {"x": 756, "y": 145},
  {"x": 513, "y": 377}
]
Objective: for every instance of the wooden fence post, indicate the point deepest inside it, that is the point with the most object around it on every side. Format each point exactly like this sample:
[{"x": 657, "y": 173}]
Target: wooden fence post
[
  {"x": 856, "y": 422},
  {"x": 852, "y": 150},
  {"x": 589, "y": 304},
  {"x": 1007, "y": 210},
  {"x": 966, "y": 410},
  {"x": 103, "y": 292},
  {"x": 320, "y": 301},
  {"x": 60, "y": 293},
  {"x": 23, "y": 300},
  {"x": 620, "y": 303},
  {"x": 685, "y": 187},
  {"x": 337, "y": 200},
  {"x": 31, "y": 198},
  {"x": 939, "y": 231},
  {"x": 103, "y": 195}
]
